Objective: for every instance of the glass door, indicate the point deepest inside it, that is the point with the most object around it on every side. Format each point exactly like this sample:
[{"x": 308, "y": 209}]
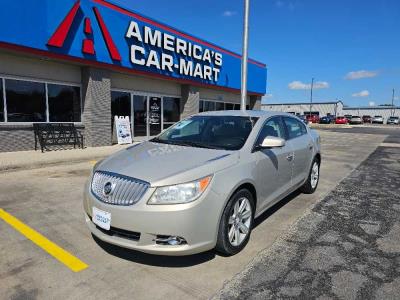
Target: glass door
[
  {"x": 154, "y": 111},
  {"x": 139, "y": 115}
]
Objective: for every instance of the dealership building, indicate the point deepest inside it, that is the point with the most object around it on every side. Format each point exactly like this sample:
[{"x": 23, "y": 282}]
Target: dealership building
[
  {"x": 86, "y": 61},
  {"x": 333, "y": 108}
]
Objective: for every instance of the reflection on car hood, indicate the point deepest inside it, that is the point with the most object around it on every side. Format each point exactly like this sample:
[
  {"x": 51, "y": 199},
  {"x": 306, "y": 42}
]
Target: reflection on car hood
[{"x": 153, "y": 162}]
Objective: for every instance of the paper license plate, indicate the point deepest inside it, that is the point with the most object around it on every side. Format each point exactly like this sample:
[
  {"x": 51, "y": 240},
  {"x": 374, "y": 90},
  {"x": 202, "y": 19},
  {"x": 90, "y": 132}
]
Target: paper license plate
[{"x": 101, "y": 218}]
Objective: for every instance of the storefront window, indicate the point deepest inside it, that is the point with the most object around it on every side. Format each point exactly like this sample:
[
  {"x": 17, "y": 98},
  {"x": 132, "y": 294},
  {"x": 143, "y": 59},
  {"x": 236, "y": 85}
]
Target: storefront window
[
  {"x": 171, "y": 111},
  {"x": 140, "y": 115},
  {"x": 26, "y": 101},
  {"x": 229, "y": 106},
  {"x": 208, "y": 106},
  {"x": 64, "y": 103},
  {"x": 219, "y": 106},
  {"x": 201, "y": 106},
  {"x": 120, "y": 104},
  {"x": 1, "y": 102},
  {"x": 236, "y": 107}
]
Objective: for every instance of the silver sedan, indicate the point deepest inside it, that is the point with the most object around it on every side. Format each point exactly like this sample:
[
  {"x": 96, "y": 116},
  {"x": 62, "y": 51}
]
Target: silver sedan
[{"x": 201, "y": 183}]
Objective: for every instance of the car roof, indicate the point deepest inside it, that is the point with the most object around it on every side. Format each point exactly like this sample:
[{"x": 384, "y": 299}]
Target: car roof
[{"x": 246, "y": 113}]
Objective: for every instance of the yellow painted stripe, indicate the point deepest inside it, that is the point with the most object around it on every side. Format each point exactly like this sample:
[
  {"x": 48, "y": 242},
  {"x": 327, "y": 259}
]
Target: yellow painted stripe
[
  {"x": 57, "y": 252},
  {"x": 93, "y": 162}
]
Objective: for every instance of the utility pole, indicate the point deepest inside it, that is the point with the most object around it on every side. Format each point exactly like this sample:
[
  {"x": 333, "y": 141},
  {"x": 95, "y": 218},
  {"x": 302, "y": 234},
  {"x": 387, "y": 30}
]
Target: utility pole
[
  {"x": 312, "y": 85},
  {"x": 393, "y": 108},
  {"x": 244, "y": 55}
]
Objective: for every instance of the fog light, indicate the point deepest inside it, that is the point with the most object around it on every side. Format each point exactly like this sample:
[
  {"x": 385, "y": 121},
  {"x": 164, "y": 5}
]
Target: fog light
[{"x": 170, "y": 240}]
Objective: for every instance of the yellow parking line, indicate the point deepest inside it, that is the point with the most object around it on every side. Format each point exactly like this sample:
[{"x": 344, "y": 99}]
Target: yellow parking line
[
  {"x": 92, "y": 162},
  {"x": 57, "y": 252}
]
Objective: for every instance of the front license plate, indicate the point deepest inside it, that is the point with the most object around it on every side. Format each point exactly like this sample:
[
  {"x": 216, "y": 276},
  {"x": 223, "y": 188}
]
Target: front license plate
[{"x": 101, "y": 218}]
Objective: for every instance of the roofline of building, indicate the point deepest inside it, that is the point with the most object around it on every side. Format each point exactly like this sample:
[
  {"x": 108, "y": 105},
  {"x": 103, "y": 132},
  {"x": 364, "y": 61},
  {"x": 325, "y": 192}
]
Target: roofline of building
[
  {"x": 370, "y": 107},
  {"x": 302, "y": 103}
]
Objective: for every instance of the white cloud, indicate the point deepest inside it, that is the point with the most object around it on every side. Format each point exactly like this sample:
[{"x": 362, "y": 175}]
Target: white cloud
[
  {"x": 229, "y": 13},
  {"x": 360, "y": 74},
  {"x": 371, "y": 103},
  {"x": 363, "y": 93},
  {"x": 298, "y": 85}
]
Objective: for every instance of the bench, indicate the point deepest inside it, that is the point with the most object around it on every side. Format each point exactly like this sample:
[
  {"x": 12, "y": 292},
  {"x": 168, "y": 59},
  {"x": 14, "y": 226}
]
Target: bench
[{"x": 56, "y": 134}]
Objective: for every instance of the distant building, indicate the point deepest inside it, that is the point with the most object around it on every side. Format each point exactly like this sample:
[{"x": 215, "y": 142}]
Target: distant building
[{"x": 335, "y": 108}]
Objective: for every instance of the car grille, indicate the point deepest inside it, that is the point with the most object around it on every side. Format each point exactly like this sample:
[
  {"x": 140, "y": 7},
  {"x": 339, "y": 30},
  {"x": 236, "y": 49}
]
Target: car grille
[{"x": 124, "y": 190}]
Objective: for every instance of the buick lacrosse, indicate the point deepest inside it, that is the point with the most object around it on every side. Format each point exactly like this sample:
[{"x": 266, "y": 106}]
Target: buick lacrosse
[{"x": 201, "y": 183}]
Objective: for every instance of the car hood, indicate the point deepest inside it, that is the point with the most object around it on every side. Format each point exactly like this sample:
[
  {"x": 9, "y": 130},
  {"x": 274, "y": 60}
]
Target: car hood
[{"x": 163, "y": 164}]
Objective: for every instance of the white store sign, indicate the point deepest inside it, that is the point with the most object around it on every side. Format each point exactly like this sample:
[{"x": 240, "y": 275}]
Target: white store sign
[{"x": 123, "y": 130}]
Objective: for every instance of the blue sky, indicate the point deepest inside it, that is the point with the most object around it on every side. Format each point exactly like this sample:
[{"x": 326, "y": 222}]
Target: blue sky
[{"x": 350, "y": 47}]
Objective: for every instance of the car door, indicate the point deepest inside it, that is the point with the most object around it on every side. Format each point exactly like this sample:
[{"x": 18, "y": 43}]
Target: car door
[
  {"x": 301, "y": 144},
  {"x": 273, "y": 169}
]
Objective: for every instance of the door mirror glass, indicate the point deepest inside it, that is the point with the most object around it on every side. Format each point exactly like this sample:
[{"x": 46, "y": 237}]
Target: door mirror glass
[{"x": 272, "y": 142}]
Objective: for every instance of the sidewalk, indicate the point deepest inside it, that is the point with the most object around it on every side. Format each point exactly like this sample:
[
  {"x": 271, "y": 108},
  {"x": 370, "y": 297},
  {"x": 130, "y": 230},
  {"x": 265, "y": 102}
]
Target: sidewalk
[{"x": 10, "y": 161}]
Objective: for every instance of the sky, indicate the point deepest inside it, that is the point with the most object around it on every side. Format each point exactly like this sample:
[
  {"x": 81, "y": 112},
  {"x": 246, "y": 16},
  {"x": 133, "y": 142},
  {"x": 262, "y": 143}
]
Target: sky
[{"x": 350, "y": 47}]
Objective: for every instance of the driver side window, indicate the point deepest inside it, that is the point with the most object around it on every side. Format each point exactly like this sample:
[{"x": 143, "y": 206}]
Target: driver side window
[{"x": 273, "y": 127}]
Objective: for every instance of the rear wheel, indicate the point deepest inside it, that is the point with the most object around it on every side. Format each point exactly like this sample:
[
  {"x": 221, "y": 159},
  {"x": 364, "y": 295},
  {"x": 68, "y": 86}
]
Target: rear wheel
[
  {"x": 311, "y": 184},
  {"x": 236, "y": 223}
]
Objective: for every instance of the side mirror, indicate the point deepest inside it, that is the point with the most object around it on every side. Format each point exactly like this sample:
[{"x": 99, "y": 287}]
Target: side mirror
[{"x": 272, "y": 142}]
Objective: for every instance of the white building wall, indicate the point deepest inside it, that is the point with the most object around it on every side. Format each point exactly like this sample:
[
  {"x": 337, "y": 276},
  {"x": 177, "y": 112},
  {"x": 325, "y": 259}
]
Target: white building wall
[{"x": 301, "y": 108}]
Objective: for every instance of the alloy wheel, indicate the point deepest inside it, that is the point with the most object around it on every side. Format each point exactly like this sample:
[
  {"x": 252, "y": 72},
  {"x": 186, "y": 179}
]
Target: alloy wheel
[{"x": 239, "y": 221}]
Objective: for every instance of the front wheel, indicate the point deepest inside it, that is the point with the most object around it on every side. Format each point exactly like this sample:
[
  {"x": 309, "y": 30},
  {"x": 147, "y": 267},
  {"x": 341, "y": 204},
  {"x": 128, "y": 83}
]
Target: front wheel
[
  {"x": 236, "y": 223},
  {"x": 311, "y": 184}
]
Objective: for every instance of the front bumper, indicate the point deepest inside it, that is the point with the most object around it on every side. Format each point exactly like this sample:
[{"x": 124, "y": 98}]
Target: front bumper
[{"x": 196, "y": 222}]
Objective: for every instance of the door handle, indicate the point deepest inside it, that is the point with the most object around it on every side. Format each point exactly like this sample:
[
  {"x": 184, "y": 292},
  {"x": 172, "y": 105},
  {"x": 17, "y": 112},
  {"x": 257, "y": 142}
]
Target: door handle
[
  {"x": 310, "y": 146},
  {"x": 290, "y": 157}
]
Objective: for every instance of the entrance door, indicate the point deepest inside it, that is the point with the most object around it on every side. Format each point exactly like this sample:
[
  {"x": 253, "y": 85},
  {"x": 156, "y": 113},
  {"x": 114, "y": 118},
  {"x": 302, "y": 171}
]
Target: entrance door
[
  {"x": 139, "y": 115},
  {"x": 154, "y": 115},
  {"x": 146, "y": 115}
]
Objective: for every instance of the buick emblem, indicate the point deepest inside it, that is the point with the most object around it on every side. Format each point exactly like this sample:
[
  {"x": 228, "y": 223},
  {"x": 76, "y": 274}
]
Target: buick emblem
[{"x": 108, "y": 188}]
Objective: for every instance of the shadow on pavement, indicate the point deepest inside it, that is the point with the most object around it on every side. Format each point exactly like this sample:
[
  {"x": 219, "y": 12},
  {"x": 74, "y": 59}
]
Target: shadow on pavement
[
  {"x": 270, "y": 211},
  {"x": 155, "y": 260}
]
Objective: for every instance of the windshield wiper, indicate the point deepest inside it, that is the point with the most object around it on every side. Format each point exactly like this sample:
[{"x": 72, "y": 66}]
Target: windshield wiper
[{"x": 198, "y": 145}]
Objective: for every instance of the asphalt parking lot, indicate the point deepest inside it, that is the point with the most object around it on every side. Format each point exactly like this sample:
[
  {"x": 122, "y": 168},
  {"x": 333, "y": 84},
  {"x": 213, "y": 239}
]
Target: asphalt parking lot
[{"x": 49, "y": 200}]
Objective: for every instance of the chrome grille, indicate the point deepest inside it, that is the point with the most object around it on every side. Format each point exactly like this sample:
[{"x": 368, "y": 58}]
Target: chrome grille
[{"x": 124, "y": 190}]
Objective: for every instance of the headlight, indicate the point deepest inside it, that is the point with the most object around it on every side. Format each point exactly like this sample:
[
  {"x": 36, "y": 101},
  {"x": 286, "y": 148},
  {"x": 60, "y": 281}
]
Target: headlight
[{"x": 180, "y": 193}]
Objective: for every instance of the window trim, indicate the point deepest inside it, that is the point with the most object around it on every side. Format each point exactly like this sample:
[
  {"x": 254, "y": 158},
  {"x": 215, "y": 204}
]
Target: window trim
[
  {"x": 45, "y": 82},
  {"x": 254, "y": 148},
  {"x": 287, "y": 130}
]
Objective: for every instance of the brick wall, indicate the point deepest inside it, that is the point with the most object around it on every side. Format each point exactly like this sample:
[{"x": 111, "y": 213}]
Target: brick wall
[{"x": 96, "y": 91}]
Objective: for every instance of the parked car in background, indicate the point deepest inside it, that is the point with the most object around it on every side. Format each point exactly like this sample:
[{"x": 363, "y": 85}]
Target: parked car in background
[
  {"x": 341, "y": 120},
  {"x": 377, "y": 120},
  {"x": 201, "y": 183},
  {"x": 348, "y": 117},
  {"x": 304, "y": 119},
  {"x": 393, "y": 120},
  {"x": 355, "y": 120},
  {"x": 366, "y": 119},
  {"x": 312, "y": 118},
  {"x": 326, "y": 120}
]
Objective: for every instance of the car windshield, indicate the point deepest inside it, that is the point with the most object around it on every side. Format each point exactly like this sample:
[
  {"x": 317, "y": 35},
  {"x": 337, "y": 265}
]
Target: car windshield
[{"x": 214, "y": 132}]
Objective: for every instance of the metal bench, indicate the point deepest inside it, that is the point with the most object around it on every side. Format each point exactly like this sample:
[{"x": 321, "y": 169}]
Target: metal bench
[{"x": 56, "y": 134}]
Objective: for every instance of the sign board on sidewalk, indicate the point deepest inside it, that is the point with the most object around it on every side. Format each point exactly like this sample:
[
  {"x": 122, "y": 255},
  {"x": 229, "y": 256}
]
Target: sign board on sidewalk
[{"x": 123, "y": 130}]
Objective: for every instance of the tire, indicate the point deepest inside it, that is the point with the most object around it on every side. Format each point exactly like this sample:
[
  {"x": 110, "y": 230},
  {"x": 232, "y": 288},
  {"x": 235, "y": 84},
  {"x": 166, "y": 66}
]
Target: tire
[
  {"x": 310, "y": 185},
  {"x": 226, "y": 245}
]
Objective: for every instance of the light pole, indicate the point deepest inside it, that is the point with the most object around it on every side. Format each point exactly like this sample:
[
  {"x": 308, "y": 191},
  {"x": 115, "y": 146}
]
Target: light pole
[
  {"x": 244, "y": 55},
  {"x": 312, "y": 85},
  {"x": 393, "y": 108}
]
